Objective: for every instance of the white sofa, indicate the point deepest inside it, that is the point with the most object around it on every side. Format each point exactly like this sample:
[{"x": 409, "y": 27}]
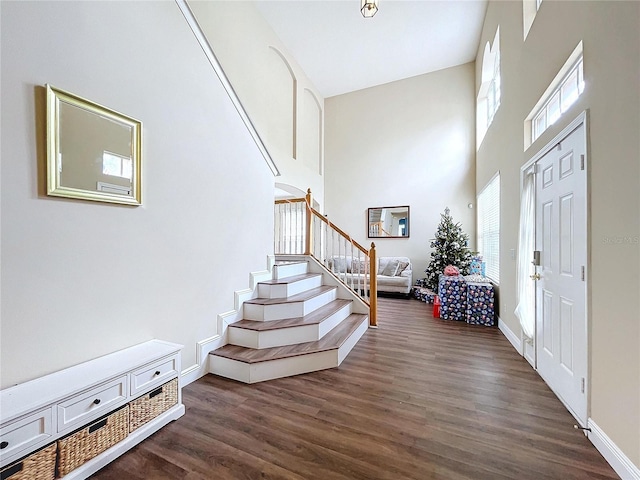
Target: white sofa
[{"x": 394, "y": 273}]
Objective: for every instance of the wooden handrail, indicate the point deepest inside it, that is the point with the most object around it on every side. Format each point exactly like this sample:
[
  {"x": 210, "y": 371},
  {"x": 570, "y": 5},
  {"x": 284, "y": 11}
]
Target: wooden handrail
[
  {"x": 371, "y": 254},
  {"x": 340, "y": 231},
  {"x": 290, "y": 200}
]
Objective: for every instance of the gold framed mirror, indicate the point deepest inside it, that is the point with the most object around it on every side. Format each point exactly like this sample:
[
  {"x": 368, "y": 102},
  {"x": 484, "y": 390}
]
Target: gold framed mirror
[
  {"x": 93, "y": 152},
  {"x": 388, "y": 222}
]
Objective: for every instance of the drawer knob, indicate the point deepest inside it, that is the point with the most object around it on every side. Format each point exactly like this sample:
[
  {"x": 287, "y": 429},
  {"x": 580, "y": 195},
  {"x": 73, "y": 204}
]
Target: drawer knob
[
  {"x": 4, "y": 444},
  {"x": 157, "y": 373},
  {"x": 96, "y": 401}
]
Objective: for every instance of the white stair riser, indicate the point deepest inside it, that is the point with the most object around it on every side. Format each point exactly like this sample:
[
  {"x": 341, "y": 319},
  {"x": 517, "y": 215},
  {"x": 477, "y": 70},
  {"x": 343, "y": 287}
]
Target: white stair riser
[
  {"x": 225, "y": 367},
  {"x": 272, "y": 338},
  {"x": 334, "y": 320},
  {"x": 278, "y": 311},
  {"x": 281, "y": 311},
  {"x": 316, "y": 302},
  {"x": 284, "y": 290},
  {"x": 347, "y": 346},
  {"x": 284, "y": 270},
  {"x": 285, "y": 367},
  {"x": 282, "y": 367},
  {"x": 244, "y": 337}
]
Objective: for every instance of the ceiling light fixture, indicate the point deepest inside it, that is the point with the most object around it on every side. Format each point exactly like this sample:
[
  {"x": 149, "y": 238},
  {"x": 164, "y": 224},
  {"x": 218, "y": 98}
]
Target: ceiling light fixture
[{"x": 369, "y": 8}]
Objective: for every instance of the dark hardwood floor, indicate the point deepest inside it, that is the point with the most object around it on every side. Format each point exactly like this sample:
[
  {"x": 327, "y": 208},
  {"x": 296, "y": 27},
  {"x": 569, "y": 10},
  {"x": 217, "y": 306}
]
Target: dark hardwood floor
[{"x": 418, "y": 398}]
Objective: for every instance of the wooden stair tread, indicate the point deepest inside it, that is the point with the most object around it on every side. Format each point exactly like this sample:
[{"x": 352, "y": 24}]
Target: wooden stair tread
[
  {"x": 292, "y": 279},
  {"x": 299, "y": 297},
  {"x": 332, "y": 340},
  {"x": 313, "y": 318}
]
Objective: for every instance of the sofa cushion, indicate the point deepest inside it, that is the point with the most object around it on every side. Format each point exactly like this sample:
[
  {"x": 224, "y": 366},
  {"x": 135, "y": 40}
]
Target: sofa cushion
[
  {"x": 359, "y": 266},
  {"x": 340, "y": 265},
  {"x": 401, "y": 267},
  {"x": 388, "y": 266}
]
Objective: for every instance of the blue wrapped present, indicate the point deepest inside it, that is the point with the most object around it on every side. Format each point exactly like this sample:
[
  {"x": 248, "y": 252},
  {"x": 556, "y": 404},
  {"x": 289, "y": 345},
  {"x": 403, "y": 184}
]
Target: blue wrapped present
[
  {"x": 428, "y": 295},
  {"x": 480, "y": 301},
  {"x": 453, "y": 297},
  {"x": 423, "y": 294},
  {"x": 476, "y": 265}
]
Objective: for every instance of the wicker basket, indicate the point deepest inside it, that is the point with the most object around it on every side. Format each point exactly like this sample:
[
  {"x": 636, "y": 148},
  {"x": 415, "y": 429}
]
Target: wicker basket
[
  {"x": 153, "y": 404},
  {"x": 92, "y": 440},
  {"x": 40, "y": 465}
]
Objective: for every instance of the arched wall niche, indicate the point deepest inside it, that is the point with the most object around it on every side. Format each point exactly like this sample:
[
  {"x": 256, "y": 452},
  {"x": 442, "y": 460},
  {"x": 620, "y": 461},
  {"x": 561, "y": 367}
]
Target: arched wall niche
[
  {"x": 281, "y": 102},
  {"x": 311, "y": 131},
  {"x": 284, "y": 191}
]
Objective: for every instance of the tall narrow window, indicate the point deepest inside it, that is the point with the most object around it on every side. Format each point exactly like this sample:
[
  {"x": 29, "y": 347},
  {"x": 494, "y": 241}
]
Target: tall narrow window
[
  {"x": 489, "y": 227},
  {"x": 493, "y": 96},
  {"x": 489, "y": 95}
]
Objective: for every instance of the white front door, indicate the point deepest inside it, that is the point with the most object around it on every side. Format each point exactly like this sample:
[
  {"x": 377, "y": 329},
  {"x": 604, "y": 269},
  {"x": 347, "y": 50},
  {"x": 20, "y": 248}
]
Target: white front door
[{"x": 561, "y": 238}]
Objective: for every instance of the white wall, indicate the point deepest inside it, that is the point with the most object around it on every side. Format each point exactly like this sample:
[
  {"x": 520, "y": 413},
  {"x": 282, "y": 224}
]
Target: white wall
[
  {"x": 81, "y": 279},
  {"x": 281, "y": 101},
  {"x": 609, "y": 31},
  {"x": 409, "y": 142}
]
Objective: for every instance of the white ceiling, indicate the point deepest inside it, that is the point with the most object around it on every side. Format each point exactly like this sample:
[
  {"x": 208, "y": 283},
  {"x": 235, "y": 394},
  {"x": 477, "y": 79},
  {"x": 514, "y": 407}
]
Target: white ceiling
[{"x": 341, "y": 51}]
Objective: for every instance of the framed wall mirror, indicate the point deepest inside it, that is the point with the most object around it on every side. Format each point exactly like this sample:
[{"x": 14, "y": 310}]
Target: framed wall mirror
[
  {"x": 93, "y": 153},
  {"x": 388, "y": 222}
]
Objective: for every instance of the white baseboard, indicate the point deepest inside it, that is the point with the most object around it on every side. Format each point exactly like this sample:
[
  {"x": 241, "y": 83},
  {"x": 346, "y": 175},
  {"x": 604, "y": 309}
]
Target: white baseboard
[
  {"x": 206, "y": 346},
  {"x": 612, "y": 454},
  {"x": 201, "y": 367},
  {"x": 512, "y": 337}
]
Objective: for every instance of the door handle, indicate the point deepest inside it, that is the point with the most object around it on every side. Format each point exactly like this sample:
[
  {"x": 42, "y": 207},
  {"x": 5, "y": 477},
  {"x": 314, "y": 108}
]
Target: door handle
[{"x": 535, "y": 276}]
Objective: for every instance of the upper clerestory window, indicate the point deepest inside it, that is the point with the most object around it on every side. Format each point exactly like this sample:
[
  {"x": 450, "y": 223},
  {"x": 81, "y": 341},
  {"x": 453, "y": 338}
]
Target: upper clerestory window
[
  {"x": 560, "y": 102},
  {"x": 563, "y": 92}
]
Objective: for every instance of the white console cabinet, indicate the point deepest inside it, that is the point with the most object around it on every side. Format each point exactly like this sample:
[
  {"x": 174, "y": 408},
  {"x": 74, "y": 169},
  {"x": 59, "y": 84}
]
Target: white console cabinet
[{"x": 39, "y": 412}]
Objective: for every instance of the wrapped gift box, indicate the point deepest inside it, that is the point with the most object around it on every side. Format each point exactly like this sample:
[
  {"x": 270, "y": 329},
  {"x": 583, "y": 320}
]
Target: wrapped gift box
[
  {"x": 476, "y": 265},
  {"x": 428, "y": 295},
  {"x": 480, "y": 302},
  {"x": 453, "y": 297},
  {"x": 415, "y": 292},
  {"x": 423, "y": 294}
]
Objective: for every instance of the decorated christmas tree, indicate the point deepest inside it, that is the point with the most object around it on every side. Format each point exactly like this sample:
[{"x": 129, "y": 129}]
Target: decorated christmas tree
[{"x": 451, "y": 247}]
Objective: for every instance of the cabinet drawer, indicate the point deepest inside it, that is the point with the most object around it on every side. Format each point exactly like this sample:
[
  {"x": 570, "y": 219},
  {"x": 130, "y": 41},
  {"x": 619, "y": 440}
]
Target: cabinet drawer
[
  {"x": 25, "y": 434},
  {"x": 154, "y": 374},
  {"x": 90, "y": 404}
]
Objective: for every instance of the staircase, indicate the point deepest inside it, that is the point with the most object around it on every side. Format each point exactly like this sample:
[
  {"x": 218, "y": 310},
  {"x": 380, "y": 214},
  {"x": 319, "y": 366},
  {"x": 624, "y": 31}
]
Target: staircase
[{"x": 299, "y": 323}]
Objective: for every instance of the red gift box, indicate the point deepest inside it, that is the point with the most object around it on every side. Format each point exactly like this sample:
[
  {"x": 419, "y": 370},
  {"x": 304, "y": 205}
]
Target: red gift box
[{"x": 436, "y": 307}]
